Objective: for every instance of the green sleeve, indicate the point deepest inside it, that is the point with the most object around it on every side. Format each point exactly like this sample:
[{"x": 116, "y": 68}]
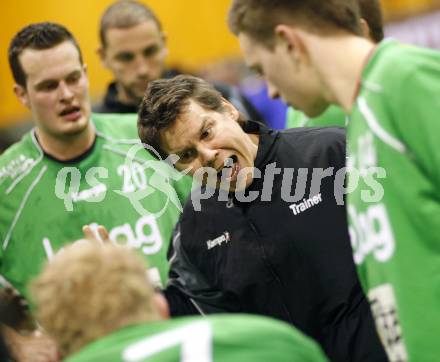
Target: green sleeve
[
  {"x": 416, "y": 114},
  {"x": 333, "y": 116},
  {"x": 183, "y": 188},
  {"x": 295, "y": 118}
]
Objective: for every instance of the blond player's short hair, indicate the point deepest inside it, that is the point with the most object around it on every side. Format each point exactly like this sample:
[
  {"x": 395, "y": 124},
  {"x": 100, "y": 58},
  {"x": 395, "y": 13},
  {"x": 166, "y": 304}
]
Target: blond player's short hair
[{"x": 90, "y": 290}]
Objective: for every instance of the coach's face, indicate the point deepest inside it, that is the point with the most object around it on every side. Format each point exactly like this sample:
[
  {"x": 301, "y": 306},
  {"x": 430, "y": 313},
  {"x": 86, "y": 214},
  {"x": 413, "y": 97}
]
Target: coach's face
[
  {"x": 56, "y": 90},
  {"x": 204, "y": 139},
  {"x": 287, "y": 70}
]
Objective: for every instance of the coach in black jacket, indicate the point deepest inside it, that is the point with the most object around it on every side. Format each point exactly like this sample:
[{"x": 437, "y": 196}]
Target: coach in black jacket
[{"x": 274, "y": 243}]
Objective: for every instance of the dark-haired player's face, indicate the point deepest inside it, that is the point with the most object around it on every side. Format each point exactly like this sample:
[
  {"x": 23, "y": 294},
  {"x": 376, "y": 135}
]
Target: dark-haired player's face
[
  {"x": 56, "y": 89},
  {"x": 287, "y": 72},
  {"x": 135, "y": 56}
]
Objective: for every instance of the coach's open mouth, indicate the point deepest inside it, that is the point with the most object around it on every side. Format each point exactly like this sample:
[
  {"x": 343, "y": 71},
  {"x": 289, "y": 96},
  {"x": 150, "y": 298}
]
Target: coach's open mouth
[{"x": 230, "y": 170}]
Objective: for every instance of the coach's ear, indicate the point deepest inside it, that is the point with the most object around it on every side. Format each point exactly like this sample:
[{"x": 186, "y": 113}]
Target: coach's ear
[
  {"x": 230, "y": 110},
  {"x": 22, "y": 95}
]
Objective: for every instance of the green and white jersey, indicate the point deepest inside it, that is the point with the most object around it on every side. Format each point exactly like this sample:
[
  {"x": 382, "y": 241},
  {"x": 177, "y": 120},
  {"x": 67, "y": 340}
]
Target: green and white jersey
[
  {"x": 333, "y": 116},
  {"x": 394, "y": 213},
  {"x": 220, "y": 338},
  {"x": 45, "y": 203}
]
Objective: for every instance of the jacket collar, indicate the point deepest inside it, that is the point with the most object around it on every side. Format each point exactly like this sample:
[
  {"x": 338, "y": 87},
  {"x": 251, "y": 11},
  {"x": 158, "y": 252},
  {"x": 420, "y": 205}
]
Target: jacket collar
[
  {"x": 113, "y": 105},
  {"x": 71, "y": 161},
  {"x": 266, "y": 154},
  {"x": 266, "y": 143}
]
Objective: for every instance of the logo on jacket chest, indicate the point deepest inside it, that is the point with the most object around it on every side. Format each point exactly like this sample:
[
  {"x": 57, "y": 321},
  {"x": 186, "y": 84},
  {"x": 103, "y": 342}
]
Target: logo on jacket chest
[
  {"x": 306, "y": 204},
  {"x": 224, "y": 238}
]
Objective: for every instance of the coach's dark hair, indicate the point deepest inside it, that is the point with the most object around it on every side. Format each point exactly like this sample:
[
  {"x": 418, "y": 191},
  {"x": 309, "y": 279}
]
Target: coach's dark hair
[
  {"x": 37, "y": 36},
  {"x": 166, "y": 99},
  {"x": 258, "y": 18},
  {"x": 371, "y": 12},
  {"x": 125, "y": 14}
]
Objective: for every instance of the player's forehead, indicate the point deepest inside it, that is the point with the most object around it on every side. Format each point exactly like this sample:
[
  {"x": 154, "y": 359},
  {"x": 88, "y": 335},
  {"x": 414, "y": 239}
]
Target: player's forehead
[
  {"x": 133, "y": 38},
  {"x": 53, "y": 63}
]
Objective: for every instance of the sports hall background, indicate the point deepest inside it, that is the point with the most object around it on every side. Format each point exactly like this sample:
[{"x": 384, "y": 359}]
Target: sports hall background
[{"x": 198, "y": 39}]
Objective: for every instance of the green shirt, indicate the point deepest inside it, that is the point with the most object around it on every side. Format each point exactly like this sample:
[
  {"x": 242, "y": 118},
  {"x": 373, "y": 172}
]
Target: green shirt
[
  {"x": 45, "y": 203},
  {"x": 394, "y": 213},
  {"x": 333, "y": 116},
  {"x": 220, "y": 338}
]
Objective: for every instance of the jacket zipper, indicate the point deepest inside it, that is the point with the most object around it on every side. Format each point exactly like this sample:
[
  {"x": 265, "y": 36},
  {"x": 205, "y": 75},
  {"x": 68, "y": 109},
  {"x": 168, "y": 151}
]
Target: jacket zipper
[{"x": 272, "y": 270}]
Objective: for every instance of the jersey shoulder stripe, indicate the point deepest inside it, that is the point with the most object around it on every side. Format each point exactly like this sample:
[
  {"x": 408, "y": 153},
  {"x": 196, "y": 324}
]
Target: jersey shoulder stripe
[{"x": 18, "y": 161}]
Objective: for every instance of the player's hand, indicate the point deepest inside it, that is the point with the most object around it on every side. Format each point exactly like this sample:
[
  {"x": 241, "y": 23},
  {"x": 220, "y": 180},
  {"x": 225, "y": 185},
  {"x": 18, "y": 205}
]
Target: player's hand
[
  {"x": 36, "y": 347},
  {"x": 96, "y": 235}
]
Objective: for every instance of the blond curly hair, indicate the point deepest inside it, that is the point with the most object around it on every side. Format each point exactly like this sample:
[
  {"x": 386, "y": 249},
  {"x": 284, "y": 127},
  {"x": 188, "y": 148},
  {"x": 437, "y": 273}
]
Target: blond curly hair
[{"x": 90, "y": 290}]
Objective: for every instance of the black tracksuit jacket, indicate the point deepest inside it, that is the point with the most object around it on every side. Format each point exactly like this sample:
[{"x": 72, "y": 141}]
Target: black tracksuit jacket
[{"x": 278, "y": 258}]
